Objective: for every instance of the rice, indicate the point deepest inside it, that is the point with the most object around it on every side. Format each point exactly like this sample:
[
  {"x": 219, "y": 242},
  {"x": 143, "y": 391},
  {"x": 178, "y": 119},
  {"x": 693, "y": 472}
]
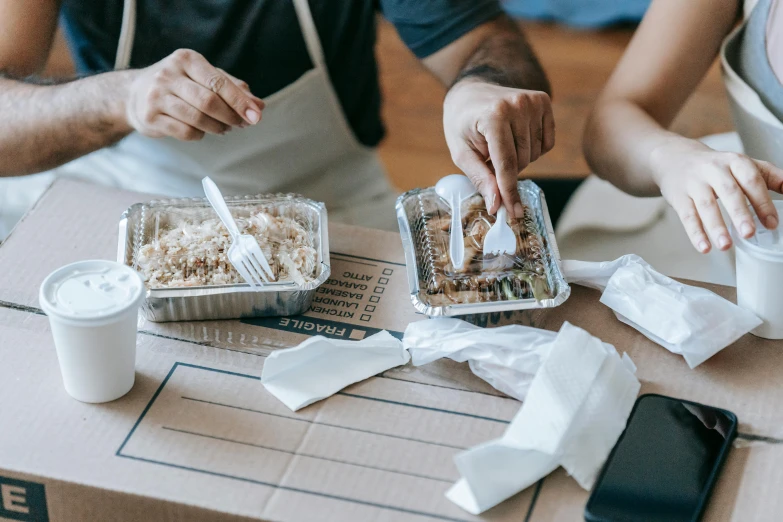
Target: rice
[{"x": 195, "y": 253}]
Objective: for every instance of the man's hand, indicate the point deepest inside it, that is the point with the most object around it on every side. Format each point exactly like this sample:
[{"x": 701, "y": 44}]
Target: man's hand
[
  {"x": 184, "y": 96},
  {"x": 692, "y": 177},
  {"x": 493, "y": 133}
]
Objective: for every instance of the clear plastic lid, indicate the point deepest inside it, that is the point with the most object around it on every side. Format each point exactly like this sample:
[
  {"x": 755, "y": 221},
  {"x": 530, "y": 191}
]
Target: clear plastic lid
[{"x": 529, "y": 278}]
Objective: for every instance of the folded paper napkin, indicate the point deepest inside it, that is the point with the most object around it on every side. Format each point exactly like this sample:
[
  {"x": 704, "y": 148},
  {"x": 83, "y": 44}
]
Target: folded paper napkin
[
  {"x": 686, "y": 320},
  {"x": 320, "y": 367},
  {"x": 575, "y": 410},
  {"x": 506, "y": 357}
]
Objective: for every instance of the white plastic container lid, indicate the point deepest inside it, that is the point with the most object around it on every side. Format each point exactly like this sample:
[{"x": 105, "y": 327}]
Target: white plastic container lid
[
  {"x": 764, "y": 244},
  {"x": 91, "y": 293}
]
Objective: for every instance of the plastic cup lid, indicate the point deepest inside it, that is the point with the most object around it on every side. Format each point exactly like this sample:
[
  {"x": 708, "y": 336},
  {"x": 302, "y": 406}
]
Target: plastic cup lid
[{"x": 91, "y": 292}]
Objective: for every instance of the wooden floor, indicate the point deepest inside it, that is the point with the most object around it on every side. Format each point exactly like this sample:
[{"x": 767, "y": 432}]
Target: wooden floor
[{"x": 578, "y": 63}]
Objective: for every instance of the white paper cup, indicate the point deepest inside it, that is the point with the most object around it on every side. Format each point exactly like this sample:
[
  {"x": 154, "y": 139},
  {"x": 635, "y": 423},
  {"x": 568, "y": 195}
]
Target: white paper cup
[
  {"x": 760, "y": 277},
  {"x": 93, "y": 309}
]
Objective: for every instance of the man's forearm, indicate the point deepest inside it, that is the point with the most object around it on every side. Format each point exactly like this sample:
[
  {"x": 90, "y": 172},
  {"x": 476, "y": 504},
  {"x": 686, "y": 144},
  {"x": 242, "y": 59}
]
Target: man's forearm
[
  {"x": 504, "y": 57},
  {"x": 45, "y": 126}
]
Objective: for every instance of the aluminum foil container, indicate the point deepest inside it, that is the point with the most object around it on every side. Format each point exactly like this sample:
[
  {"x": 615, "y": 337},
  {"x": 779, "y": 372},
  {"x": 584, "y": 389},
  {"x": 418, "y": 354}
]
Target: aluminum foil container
[
  {"x": 532, "y": 278},
  {"x": 141, "y": 222}
]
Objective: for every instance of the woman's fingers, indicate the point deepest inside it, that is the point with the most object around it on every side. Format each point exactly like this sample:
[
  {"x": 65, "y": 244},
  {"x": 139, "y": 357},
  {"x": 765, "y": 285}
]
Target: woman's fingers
[
  {"x": 754, "y": 186},
  {"x": 709, "y": 212},
  {"x": 686, "y": 210},
  {"x": 773, "y": 178},
  {"x": 730, "y": 193}
]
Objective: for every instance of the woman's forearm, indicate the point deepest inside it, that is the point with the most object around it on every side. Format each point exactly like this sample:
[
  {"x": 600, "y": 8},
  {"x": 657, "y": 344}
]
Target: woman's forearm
[{"x": 620, "y": 144}]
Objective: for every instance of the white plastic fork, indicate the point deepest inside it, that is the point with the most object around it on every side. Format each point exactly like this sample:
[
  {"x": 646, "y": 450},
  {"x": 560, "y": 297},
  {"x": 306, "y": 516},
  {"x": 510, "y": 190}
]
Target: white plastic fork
[
  {"x": 500, "y": 239},
  {"x": 244, "y": 253}
]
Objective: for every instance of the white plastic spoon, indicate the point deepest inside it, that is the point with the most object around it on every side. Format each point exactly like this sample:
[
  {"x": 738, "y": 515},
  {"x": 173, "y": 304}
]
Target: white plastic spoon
[{"x": 455, "y": 188}]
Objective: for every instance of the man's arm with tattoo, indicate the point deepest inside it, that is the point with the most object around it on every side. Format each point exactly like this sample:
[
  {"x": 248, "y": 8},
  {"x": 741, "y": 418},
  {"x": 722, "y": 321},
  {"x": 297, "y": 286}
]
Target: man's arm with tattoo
[{"x": 497, "y": 114}]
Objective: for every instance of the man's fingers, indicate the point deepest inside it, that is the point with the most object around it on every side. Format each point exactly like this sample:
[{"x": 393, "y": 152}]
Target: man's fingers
[
  {"x": 242, "y": 84},
  {"x": 536, "y": 139},
  {"x": 204, "y": 73},
  {"x": 709, "y": 212},
  {"x": 207, "y": 102},
  {"x": 523, "y": 143},
  {"x": 547, "y": 129},
  {"x": 686, "y": 210},
  {"x": 186, "y": 113},
  {"x": 175, "y": 128},
  {"x": 754, "y": 186},
  {"x": 475, "y": 168},
  {"x": 730, "y": 193},
  {"x": 503, "y": 153}
]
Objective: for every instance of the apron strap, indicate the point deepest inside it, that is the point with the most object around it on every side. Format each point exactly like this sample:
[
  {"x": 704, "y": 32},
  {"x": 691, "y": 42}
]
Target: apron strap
[
  {"x": 127, "y": 33},
  {"x": 303, "y": 14},
  {"x": 310, "y": 33}
]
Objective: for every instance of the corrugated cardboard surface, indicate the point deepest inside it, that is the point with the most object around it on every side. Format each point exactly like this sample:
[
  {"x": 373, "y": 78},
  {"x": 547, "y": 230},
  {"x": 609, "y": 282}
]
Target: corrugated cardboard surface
[{"x": 198, "y": 435}]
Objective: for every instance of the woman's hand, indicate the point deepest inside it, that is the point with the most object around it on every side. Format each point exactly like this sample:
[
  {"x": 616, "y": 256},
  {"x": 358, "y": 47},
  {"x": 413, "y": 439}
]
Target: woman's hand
[
  {"x": 184, "y": 96},
  {"x": 692, "y": 177}
]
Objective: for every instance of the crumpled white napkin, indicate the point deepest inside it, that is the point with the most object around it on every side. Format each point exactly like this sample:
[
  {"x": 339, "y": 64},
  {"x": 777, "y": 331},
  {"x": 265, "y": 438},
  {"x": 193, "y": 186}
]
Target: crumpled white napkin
[
  {"x": 575, "y": 411},
  {"x": 320, "y": 367},
  {"x": 686, "y": 320},
  {"x": 506, "y": 357}
]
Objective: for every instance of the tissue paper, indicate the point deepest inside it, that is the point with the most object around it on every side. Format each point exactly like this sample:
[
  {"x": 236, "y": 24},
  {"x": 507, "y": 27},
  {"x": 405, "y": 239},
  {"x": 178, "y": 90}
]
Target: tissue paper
[
  {"x": 320, "y": 367},
  {"x": 576, "y": 409},
  {"x": 506, "y": 357},
  {"x": 686, "y": 320}
]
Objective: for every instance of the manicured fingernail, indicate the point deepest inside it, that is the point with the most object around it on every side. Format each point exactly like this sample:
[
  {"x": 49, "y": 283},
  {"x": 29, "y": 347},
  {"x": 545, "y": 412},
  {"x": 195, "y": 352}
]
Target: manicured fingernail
[
  {"x": 772, "y": 222},
  {"x": 518, "y": 210},
  {"x": 723, "y": 242},
  {"x": 746, "y": 229},
  {"x": 252, "y": 116},
  {"x": 703, "y": 246}
]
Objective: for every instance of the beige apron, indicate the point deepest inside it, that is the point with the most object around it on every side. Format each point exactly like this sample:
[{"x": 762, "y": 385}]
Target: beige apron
[{"x": 303, "y": 144}]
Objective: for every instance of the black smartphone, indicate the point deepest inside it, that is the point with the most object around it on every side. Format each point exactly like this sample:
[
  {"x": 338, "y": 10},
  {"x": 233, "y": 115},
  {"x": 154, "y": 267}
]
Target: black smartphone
[{"x": 665, "y": 464}]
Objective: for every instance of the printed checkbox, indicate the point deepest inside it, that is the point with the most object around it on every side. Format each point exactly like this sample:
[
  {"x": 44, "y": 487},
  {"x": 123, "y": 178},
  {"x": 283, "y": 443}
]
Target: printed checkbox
[
  {"x": 365, "y": 317},
  {"x": 369, "y": 308},
  {"x": 374, "y": 299},
  {"x": 357, "y": 335},
  {"x": 383, "y": 280},
  {"x": 378, "y": 290},
  {"x": 388, "y": 271}
]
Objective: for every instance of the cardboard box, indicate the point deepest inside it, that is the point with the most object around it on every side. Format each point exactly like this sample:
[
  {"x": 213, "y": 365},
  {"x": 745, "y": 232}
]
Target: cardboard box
[{"x": 198, "y": 437}]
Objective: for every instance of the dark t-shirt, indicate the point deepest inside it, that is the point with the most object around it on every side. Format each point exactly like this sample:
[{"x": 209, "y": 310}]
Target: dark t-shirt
[{"x": 260, "y": 41}]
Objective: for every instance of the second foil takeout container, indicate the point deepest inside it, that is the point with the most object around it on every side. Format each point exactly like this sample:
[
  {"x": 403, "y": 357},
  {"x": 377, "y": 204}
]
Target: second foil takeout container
[
  {"x": 143, "y": 222},
  {"x": 532, "y": 278}
]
